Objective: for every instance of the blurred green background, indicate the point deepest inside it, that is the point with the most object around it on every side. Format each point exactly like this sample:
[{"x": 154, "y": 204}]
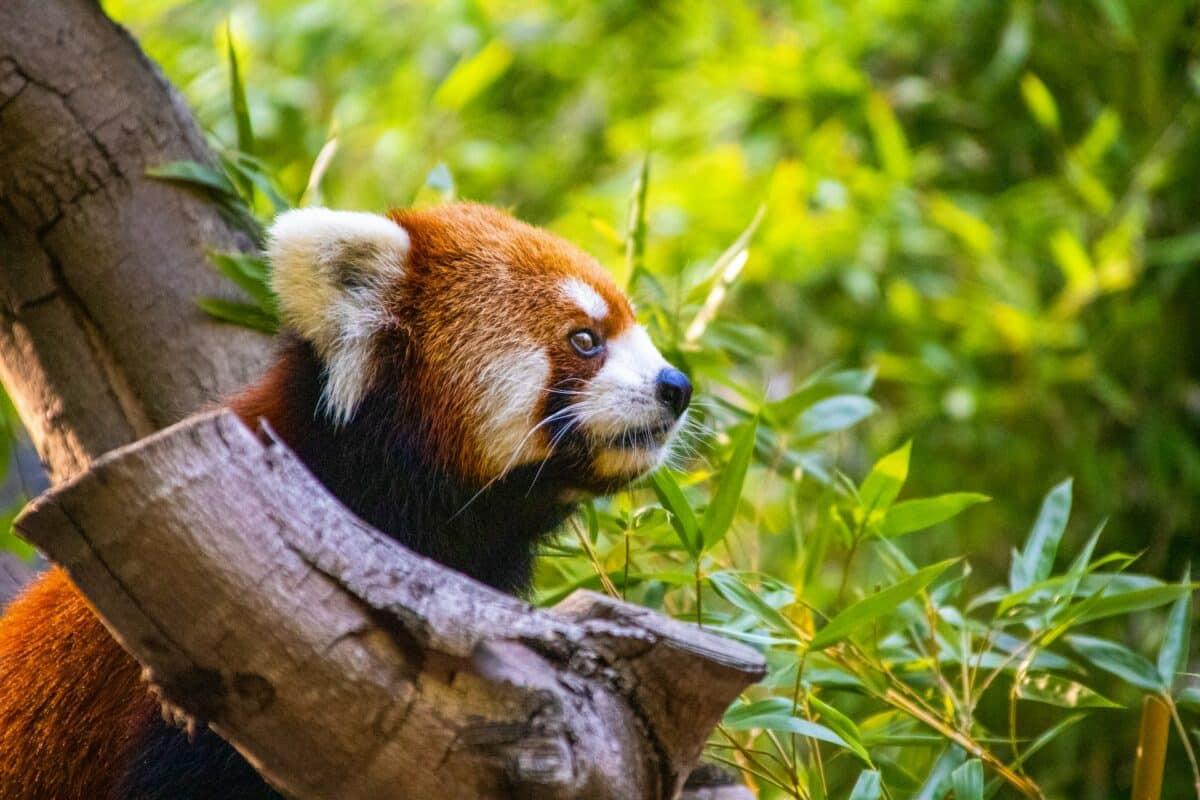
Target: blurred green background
[{"x": 994, "y": 206}]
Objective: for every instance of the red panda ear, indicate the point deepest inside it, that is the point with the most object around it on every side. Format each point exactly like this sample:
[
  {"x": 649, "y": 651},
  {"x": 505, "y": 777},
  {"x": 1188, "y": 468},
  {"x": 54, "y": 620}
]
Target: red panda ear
[{"x": 330, "y": 270}]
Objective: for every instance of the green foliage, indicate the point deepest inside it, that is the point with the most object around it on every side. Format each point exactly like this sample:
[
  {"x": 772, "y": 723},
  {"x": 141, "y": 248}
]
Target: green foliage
[
  {"x": 983, "y": 214},
  {"x": 13, "y": 492}
]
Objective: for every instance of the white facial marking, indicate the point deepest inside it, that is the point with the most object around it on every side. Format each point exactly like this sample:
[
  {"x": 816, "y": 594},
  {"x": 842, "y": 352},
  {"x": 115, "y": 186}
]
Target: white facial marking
[
  {"x": 511, "y": 390},
  {"x": 623, "y": 394},
  {"x": 587, "y": 298},
  {"x": 329, "y": 270}
]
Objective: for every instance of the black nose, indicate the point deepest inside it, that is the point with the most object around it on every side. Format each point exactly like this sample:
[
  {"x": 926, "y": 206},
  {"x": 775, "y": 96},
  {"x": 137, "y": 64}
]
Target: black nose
[{"x": 674, "y": 390}]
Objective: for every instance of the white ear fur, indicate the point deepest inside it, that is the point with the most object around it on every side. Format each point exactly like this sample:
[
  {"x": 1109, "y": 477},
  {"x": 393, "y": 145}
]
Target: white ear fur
[{"x": 329, "y": 271}]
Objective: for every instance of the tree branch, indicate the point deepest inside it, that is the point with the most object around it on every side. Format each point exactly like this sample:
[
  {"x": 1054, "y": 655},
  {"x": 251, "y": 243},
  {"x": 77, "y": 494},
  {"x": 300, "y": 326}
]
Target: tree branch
[{"x": 344, "y": 665}]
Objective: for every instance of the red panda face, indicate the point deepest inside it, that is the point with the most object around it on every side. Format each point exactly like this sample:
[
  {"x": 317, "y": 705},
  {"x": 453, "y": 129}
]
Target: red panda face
[{"x": 505, "y": 345}]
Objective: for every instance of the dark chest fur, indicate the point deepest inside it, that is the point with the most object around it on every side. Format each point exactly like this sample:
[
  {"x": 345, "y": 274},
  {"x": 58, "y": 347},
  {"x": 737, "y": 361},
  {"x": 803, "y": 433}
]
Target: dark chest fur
[{"x": 379, "y": 465}]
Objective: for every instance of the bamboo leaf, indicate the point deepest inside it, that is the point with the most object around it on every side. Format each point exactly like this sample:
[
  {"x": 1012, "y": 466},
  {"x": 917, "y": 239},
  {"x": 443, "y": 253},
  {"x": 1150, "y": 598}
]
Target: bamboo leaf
[
  {"x": 731, "y": 587},
  {"x": 876, "y": 605},
  {"x": 1040, "y": 102},
  {"x": 967, "y": 780},
  {"x": 244, "y": 314},
  {"x": 1055, "y": 691},
  {"x": 881, "y": 486},
  {"x": 834, "y": 414},
  {"x": 472, "y": 75},
  {"x": 683, "y": 520},
  {"x": 720, "y": 512},
  {"x": 1118, "y": 660},
  {"x": 237, "y": 95},
  {"x": 915, "y": 515},
  {"x": 775, "y": 714},
  {"x": 249, "y": 272},
  {"x": 1036, "y": 561},
  {"x": 193, "y": 173},
  {"x": 843, "y": 726},
  {"x": 1110, "y": 605},
  {"x": 868, "y": 786},
  {"x": 1173, "y": 654}
]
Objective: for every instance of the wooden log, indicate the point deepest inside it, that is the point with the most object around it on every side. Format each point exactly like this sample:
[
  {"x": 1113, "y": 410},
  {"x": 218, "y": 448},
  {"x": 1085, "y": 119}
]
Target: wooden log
[{"x": 343, "y": 665}]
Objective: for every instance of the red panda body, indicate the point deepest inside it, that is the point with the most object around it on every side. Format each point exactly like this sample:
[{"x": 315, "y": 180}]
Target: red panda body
[{"x": 455, "y": 377}]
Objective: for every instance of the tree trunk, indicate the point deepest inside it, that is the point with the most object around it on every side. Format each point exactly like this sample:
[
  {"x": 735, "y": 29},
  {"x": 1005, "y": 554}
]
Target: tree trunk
[
  {"x": 101, "y": 341},
  {"x": 338, "y": 662},
  {"x": 344, "y": 665}
]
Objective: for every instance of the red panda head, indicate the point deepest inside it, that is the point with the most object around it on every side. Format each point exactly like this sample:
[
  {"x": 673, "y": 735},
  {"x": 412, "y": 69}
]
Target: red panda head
[{"x": 509, "y": 345}]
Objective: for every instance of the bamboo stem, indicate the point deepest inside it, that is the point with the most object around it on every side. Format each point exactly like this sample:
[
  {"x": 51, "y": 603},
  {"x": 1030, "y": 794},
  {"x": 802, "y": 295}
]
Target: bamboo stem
[{"x": 1152, "y": 749}]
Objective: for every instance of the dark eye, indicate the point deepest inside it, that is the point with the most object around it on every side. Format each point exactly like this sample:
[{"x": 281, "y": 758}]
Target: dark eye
[{"x": 585, "y": 342}]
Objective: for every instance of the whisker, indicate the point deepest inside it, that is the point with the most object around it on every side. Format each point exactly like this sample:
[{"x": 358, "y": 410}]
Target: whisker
[{"x": 516, "y": 452}]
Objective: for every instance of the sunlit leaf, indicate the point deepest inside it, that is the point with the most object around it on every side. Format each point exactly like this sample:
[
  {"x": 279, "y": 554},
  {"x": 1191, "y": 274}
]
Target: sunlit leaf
[
  {"x": 237, "y": 95},
  {"x": 720, "y": 512},
  {"x": 915, "y": 515},
  {"x": 635, "y": 229},
  {"x": 732, "y": 587},
  {"x": 874, "y": 606},
  {"x": 890, "y": 143},
  {"x": 1040, "y": 102},
  {"x": 473, "y": 74},
  {"x": 843, "y": 726},
  {"x": 881, "y": 486},
  {"x": 683, "y": 520},
  {"x": 1047, "y": 688},
  {"x": 775, "y": 714}
]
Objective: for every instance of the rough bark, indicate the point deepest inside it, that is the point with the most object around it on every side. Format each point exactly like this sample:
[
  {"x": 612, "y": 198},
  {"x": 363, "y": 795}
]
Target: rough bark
[
  {"x": 101, "y": 341},
  {"x": 346, "y": 666}
]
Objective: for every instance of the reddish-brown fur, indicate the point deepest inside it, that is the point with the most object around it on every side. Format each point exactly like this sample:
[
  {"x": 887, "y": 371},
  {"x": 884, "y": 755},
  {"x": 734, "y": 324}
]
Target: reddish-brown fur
[
  {"x": 472, "y": 271},
  {"x": 72, "y": 704}
]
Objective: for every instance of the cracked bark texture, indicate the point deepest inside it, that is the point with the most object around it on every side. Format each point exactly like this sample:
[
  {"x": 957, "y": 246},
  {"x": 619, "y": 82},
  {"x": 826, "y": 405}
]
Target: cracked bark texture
[
  {"x": 343, "y": 665},
  {"x": 101, "y": 341}
]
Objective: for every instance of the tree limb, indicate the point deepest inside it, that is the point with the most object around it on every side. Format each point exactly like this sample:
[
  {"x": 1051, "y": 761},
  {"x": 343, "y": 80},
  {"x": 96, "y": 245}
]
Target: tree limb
[{"x": 346, "y": 666}]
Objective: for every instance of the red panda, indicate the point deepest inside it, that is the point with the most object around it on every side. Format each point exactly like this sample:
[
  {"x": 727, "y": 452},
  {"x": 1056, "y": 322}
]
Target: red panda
[{"x": 457, "y": 378}]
